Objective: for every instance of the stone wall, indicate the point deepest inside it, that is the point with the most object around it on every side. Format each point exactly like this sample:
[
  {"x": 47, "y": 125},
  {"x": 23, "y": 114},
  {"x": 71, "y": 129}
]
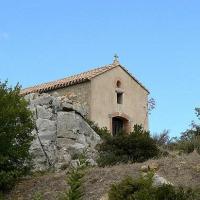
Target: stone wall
[
  {"x": 61, "y": 132},
  {"x": 79, "y": 93}
]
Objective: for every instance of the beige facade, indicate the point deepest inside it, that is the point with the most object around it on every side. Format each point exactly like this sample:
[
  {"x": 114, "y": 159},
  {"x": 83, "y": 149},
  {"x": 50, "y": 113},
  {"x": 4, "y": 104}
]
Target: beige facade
[
  {"x": 82, "y": 92},
  {"x": 113, "y": 97},
  {"x": 104, "y": 106}
]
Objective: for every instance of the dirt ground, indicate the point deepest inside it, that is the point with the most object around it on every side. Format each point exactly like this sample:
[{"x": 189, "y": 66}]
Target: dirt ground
[{"x": 180, "y": 170}]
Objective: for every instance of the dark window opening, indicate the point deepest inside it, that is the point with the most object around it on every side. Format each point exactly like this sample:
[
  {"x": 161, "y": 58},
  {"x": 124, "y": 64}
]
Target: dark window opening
[{"x": 119, "y": 98}]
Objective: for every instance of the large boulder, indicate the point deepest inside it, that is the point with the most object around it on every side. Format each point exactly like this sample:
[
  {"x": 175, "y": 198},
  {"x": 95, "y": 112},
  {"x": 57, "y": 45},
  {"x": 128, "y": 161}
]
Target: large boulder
[{"x": 61, "y": 133}]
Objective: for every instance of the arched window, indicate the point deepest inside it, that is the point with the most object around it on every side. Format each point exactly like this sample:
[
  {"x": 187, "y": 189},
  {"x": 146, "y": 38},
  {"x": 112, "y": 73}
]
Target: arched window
[
  {"x": 119, "y": 98},
  {"x": 119, "y": 92}
]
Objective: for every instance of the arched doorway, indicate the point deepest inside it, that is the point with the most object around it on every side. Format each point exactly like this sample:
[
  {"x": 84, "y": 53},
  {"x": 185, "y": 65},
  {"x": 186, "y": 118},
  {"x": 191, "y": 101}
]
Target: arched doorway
[{"x": 119, "y": 125}]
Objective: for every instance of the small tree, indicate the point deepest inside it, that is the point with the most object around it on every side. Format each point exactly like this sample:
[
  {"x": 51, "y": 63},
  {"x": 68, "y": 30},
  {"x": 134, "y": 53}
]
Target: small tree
[{"x": 15, "y": 135}]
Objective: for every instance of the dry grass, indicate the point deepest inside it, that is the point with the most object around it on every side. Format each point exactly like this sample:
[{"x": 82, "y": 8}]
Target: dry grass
[
  {"x": 180, "y": 170},
  {"x": 49, "y": 186},
  {"x": 98, "y": 180}
]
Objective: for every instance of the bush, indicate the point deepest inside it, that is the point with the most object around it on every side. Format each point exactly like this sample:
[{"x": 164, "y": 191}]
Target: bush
[
  {"x": 190, "y": 139},
  {"x": 128, "y": 188},
  {"x": 75, "y": 180},
  {"x": 137, "y": 146},
  {"x": 15, "y": 135},
  {"x": 185, "y": 146},
  {"x": 186, "y": 143},
  {"x": 188, "y": 146},
  {"x": 142, "y": 189}
]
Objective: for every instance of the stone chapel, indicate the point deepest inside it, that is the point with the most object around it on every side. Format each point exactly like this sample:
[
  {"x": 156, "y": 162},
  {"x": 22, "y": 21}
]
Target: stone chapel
[{"x": 113, "y": 97}]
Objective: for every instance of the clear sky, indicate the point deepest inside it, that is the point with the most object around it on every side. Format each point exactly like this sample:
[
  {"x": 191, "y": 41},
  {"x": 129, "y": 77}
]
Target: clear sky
[{"x": 157, "y": 41}]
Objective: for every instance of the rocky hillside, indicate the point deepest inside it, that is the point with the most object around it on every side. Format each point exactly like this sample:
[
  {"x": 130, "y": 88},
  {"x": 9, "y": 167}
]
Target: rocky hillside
[
  {"x": 61, "y": 132},
  {"x": 179, "y": 170}
]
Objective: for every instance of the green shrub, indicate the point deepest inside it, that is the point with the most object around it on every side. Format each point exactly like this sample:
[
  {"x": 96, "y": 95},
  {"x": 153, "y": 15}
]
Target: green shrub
[
  {"x": 137, "y": 146},
  {"x": 75, "y": 181},
  {"x": 185, "y": 146},
  {"x": 186, "y": 143},
  {"x": 15, "y": 135},
  {"x": 128, "y": 188},
  {"x": 196, "y": 142},
  {"x": 142, "y": 189},
  {"x": 190, "y": 139}
]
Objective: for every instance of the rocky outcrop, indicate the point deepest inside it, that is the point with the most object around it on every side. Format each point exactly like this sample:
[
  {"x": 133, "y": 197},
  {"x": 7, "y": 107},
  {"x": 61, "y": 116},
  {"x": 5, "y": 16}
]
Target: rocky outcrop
[
  {"x": 61, "y": 132},
  {"x": 159, "y": 181}
]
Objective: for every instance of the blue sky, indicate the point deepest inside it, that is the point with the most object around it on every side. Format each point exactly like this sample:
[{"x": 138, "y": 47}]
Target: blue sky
[{"x": 157, "y": 41}]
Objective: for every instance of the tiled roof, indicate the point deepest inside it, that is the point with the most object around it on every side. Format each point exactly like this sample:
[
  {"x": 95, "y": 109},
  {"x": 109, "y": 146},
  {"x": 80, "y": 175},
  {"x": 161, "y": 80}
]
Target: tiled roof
[{"x": 72, "y": 80}]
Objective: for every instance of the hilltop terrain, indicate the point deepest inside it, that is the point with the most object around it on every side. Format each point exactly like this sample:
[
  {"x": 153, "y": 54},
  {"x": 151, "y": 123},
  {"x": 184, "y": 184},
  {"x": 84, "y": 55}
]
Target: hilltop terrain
[{"x": 180, "y": 170}]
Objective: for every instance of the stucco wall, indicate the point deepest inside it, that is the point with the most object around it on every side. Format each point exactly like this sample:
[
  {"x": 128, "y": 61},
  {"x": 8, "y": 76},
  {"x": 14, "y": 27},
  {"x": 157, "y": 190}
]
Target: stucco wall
[
  {"x": 104, "y": 100},
  {"x": 82, "y": 91}
]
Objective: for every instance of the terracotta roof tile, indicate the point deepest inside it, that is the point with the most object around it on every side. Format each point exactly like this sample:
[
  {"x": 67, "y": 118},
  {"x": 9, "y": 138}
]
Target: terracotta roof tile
[{"x": 72, "y": 80}]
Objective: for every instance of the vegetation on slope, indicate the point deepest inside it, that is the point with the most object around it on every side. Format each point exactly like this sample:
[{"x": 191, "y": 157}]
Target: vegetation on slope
[
  {"x": 143, "y": 189},
  {"x": 186, "y": 143},
  {"x": 75, "y": 180},
  {"x": 15, "y": 136},
  {"x": 137, "y": 146}
]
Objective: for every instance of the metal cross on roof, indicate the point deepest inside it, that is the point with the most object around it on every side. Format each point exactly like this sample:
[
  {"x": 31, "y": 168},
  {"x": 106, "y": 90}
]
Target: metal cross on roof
[
  {"x": 116, "y": 57},
  {"x": 116, "y": 61}
]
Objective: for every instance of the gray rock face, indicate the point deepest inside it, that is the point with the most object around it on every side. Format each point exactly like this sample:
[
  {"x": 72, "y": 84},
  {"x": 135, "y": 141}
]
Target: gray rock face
[
  {"x": 44, "y": 113},
  {"x": 61, "y": 132},
  {"x": 44, "y": 99}
]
